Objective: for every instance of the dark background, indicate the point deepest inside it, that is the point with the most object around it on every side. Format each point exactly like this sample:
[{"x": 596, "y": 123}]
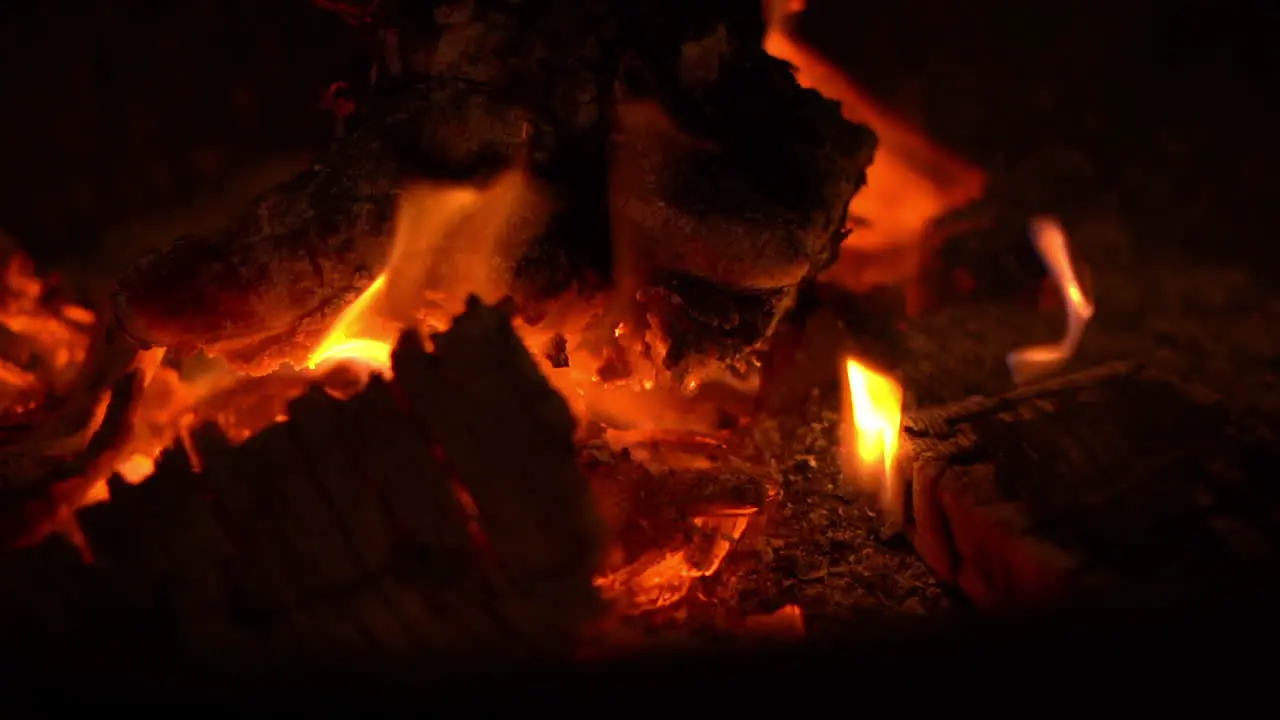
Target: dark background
[
  {"x": 1164, "y": 111},
  {"x": 127, "y": 122}
]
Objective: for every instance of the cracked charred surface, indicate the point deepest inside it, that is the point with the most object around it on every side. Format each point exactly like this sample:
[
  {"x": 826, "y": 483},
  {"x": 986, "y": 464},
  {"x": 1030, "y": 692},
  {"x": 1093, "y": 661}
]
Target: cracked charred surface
[
  {"x": 268, "y": 285},
  {"x": 742, "y": 182}
]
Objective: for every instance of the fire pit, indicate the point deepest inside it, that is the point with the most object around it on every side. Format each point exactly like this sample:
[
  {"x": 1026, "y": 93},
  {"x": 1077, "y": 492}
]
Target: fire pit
[{"x": 571, "y": 344}]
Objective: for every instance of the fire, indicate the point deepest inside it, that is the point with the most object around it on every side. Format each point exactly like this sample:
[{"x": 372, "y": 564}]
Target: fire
[
  {"x": 912, "y": 184},
  {"x": 44, "y": 341},
  {"x": 873, "y": 423},
  {"x": 454, "y": 240},
  {"x": 344, "y": 343},
  {"x": 450, "y": 241},
  {"x": 1035, "y": 361}
]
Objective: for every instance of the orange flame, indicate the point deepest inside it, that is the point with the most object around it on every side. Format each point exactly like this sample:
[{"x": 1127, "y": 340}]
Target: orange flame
[
  {"x": 450, "y": 241},
  {"x": 344, "y": 341},
  {"x": 910, "y": 186},
  {"x": 873, "y": 422},
  {"x": 1036, "y": 361}
]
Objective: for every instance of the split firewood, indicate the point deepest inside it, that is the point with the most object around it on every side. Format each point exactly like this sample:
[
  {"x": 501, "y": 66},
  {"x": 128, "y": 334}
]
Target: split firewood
[
  {"x": 1111, "y": 478},
  {"x": 441, "y": 511},
  {"x": 667, "y": 118}
]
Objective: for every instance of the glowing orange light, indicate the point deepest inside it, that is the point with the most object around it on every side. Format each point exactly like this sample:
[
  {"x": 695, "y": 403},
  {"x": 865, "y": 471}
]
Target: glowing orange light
[
  {"x": 869, "y": 442},
  {"x": 1035, "y": 361}
]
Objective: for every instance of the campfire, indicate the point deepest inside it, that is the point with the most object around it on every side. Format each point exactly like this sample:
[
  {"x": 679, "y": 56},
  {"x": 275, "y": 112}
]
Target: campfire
[{"x": 489, "y": 374}]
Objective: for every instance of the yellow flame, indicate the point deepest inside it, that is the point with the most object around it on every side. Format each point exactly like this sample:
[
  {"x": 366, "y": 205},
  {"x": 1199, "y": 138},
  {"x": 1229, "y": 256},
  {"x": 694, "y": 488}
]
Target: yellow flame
[
  {"x": 1036, "y": 361},
  {"x": 450, "y": 240},
  {"x": 345, "y": 340},
  {"x": 873, "y": 424}
]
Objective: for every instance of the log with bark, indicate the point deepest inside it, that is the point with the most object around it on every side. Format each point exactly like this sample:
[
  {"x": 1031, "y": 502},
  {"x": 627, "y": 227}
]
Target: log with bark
[
  {"x": 1109, "y": 481},
  {"x": 673, "y": 150},
  {"x": 440, "y": 511}
]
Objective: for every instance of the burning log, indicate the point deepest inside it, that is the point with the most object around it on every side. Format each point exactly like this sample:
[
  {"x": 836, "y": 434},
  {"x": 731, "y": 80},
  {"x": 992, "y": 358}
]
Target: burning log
[
  {"x": 730, "y": 171},
  {"x": 443, "y": 510},
  {"x": 70, "y": 390},
  {"x": 277, "y": 275},
  {"x": 1110, "y": 478},
  {"x": 668, "y": 121}
]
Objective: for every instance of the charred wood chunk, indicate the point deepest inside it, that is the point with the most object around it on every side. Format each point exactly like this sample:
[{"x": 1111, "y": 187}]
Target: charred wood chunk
[
  {"x": 531, "y": 498},
  {"x": 1110, "y": 480},
  {"x": 384, "y": 522},
  {"x": 725, "y": 168},
  {"x": 263, "y": 289}
]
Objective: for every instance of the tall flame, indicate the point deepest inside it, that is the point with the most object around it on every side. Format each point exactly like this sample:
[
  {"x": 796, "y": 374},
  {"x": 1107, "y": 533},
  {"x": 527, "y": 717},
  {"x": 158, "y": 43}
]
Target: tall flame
[
  {"x": 870, "y": 436},
  {"x": 1036, "y": 361}
]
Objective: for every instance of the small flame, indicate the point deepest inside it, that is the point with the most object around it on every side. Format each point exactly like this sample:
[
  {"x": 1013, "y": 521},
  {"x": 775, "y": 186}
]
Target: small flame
[
  {"x": 873, "y": 421},
  {"x": 1036, "y": 361}
]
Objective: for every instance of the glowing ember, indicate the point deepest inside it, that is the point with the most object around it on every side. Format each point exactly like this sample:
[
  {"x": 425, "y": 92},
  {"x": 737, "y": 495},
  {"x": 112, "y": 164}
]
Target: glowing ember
[
  {"x": 43, "y": 342},
  {"x": 660, "y": 579},
  {"x": 1035, "y": 361},
  {"x": 869, "y": 439},
  {"x": 785, "y": 623}
]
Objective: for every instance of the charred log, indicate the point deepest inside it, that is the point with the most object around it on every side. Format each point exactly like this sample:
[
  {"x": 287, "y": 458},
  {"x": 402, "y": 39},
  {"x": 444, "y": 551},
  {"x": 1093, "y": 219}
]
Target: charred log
[
  {"x": 664, "y": 127},
  {"x": 730, "y": 171},
  {"x": 1112, "y": 479},
  {"x": 279, "y": 274},
  {"x": 386, "y": 522}
]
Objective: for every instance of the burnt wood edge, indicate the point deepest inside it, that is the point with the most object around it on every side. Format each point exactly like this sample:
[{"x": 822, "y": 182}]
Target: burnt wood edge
[
  {"x": 971, "y": 539},
  {"x": 203, "y": 562}
]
